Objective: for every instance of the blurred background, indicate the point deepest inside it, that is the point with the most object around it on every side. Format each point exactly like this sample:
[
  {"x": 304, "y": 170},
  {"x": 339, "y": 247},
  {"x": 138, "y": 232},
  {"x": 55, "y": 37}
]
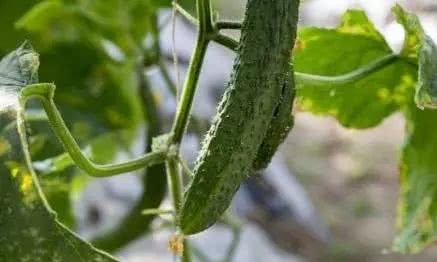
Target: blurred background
[{"x": 329, "y": 195}]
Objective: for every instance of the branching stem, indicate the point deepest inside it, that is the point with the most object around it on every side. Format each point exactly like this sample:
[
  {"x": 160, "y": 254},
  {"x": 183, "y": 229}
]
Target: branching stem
[
  {"x": 303, "y": 78},
  {"x": 206, "y": 30},
  {"x": 213, "y": 29}
]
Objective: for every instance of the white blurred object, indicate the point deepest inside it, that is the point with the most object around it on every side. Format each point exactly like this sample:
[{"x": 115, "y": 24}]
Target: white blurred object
[
  {"x": 292, "y": 191},
  {"x": 254, "y": 246}
]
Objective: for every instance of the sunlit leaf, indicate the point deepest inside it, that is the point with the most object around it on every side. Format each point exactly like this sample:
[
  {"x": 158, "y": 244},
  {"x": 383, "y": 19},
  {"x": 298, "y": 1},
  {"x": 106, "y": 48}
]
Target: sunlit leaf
[
  {"x": 417, "y": 213},
  {"x": 413, "y": 33},
  {"x": 332, "y": 52},
  {"x": 426, "y": 90}
]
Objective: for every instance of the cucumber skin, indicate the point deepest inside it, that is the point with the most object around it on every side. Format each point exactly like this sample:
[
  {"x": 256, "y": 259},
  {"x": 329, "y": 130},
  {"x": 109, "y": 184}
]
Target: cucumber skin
[
  {"x": 281, "y": 124},
  {"x": 260, "y": 72}
]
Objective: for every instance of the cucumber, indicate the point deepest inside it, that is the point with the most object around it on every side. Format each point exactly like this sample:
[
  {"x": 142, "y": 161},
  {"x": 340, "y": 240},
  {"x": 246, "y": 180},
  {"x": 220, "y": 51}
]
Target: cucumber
[
  {"x": 281, "y": 124},
  {"x": 260, "y": 74}
]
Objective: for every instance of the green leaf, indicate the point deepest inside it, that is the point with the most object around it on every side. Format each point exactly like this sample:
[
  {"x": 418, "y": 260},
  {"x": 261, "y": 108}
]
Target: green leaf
[
  {"x": 420, "y": 49},
  {"x": 124, "y": 23},
  {"x": 413, "y": 33},
  {"x": 333, "y": 52},
  {"x": 94, "y": 93},
  {"x": 29, "y": 228},
  {"x": 10, "y": 11},
  {"x": 417, "y": 211},
  {"x": 426, "y": 90}
]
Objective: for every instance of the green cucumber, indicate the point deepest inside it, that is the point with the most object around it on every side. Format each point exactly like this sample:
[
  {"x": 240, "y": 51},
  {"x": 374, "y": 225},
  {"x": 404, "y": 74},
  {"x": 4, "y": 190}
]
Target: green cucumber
[
  {"x": 281, "y": 124},
  {"x": 260, "y": 74}
]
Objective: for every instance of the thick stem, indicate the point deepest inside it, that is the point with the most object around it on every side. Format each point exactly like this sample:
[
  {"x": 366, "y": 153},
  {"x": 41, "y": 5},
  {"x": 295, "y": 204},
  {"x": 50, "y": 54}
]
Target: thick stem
[
  {"x": 189, "y": 89},
  {"x": 213, "y": 34},
  {"x": 303, "y": 78},
  {"x": 183, "y": 111},
  {"x": 174, "y": 183}
]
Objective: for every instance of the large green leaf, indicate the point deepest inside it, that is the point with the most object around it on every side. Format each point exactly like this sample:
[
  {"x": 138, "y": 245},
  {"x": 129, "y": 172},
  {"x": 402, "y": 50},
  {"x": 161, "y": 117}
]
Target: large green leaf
[
  {"x": 332, "y": 52},
  {"x": 29, "y": 228},
  {"x": 417, "y": 217}
]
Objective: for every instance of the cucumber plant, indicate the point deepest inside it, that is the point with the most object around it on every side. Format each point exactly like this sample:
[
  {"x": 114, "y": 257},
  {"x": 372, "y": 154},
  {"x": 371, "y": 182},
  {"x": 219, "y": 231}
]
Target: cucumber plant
[
  {"x": 259, "y": 81},
  {"x": 271, "y": 73}
]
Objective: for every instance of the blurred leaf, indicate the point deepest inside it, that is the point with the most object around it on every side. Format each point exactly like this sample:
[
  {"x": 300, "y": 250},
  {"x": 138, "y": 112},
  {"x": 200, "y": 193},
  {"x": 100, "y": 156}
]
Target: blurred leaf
[
  {"x": 332, "y": 52},
  {"x": 29, "y": 228},
  {"x": 91, "y": 89},
  {"x": 62, "y": 181},
  {"x": 88, "y": 51},
  {"x": 98, "y": 101},
  {"x": 10, "y": 11},
  {"x": 124, "y": 23}
]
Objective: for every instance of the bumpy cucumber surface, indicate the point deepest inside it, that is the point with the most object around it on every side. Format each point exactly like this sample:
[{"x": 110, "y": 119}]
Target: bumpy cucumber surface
[
  {"x": 281, "y": 124},
  {"x": 261, "y": 70}
]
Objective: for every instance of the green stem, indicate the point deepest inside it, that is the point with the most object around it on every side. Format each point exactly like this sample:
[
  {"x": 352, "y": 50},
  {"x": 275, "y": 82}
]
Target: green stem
[
  {"x": 303, "y": 78},
  {"x": 353, "y": 76},
  {"x": 186, "y": 257},
  {"x": 185, "y": 14},
  {"x": 222, "y": 25},
  {"x": 206, "y": 29},
  {"x": 190, "y": 85},
  {"x": 175, "y": 183},
  {"x": 213, "y": 34},
  {"x": 236, "y": 232},
  {"x": 154, "y": 183},
  {"x": 226, "y": 41},
  {"x": 45, "y": 93},
  {"x": 235, "y": 224},
  {"x": 156, "y": 211}
]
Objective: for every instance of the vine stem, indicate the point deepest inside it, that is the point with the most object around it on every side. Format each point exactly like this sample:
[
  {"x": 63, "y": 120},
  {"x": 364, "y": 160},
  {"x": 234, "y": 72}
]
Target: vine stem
[
  {"x": 45, "y": 93},
  {"x": 189, "y": 88},
  {"x": 358, "y": 74},
  {"x": 206, "y": 29},
  {"x": 301, "y": 78},
  {"x": 214, "y": 30}
]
